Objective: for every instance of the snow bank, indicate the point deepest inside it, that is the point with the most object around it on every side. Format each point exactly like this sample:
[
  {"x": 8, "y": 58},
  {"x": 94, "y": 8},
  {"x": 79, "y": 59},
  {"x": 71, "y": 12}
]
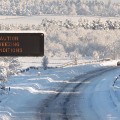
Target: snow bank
[{"x": 115, "y": 92}]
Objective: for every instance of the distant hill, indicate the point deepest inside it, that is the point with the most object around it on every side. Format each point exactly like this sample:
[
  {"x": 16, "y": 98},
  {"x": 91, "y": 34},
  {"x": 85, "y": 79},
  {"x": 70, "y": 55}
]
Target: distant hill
[{"x": 61, "y": 7}]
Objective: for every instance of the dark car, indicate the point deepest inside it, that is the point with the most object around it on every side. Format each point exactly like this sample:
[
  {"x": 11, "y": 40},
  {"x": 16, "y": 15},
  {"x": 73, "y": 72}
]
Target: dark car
[{"x": 118, "y": 63}]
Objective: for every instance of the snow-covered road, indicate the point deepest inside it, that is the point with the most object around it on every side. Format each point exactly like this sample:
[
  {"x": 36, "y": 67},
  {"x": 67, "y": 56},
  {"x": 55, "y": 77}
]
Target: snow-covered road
[
  {"x": 84, "y": 92},
  {"x": 87, "y": 97}
]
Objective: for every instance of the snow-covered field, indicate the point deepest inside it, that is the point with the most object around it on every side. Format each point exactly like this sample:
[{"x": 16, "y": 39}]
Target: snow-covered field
[
  {"x": 31, "y": 89},
  {"x": 37, "y": 19}
]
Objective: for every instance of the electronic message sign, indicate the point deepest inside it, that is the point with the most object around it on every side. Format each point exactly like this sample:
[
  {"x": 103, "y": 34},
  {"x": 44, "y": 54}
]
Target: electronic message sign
[{"x": 21, "y": 44}]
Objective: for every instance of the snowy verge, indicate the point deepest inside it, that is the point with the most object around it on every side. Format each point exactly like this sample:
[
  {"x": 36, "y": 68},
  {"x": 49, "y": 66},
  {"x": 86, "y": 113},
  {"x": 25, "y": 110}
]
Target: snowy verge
[{"x": 115, "y": 92}]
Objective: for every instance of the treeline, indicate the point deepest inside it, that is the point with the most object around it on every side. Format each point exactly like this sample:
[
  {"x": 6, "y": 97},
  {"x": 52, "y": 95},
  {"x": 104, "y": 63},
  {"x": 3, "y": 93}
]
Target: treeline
[
  {"x": 68, "y": 24},
  {"x": 84, "y": 23},
  {"x": 56, "y": 7}
]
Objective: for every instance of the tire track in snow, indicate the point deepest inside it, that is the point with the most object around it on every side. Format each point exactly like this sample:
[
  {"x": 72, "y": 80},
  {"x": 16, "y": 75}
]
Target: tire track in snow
[
  {"x": 87, "y": 79},
  {"x": 56, "y": 107}
]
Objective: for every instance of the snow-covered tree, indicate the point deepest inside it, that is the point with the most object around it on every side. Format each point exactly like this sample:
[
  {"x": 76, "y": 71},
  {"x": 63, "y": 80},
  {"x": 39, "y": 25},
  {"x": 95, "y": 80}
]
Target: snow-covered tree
[
  {"x": 8, "y": 66},
  {"x": 3, "y": 78},
  {"x": 11, "y": 65},
  {"x": 72, "y": 10},
  {"x": 61, "y": 7},
  {"x": 3, "y": 74},
  {"x": 95, "y": 55},
  {"x": 45, "y": 62}
]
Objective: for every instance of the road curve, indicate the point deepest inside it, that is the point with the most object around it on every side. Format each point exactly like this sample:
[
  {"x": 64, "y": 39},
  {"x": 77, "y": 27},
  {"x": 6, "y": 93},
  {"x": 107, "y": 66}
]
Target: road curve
[{"x": 76, "y": 100}]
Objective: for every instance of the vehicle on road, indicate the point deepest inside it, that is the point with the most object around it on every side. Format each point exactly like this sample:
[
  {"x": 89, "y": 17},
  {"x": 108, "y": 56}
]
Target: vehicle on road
[{"x": 118, "y": 63}]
